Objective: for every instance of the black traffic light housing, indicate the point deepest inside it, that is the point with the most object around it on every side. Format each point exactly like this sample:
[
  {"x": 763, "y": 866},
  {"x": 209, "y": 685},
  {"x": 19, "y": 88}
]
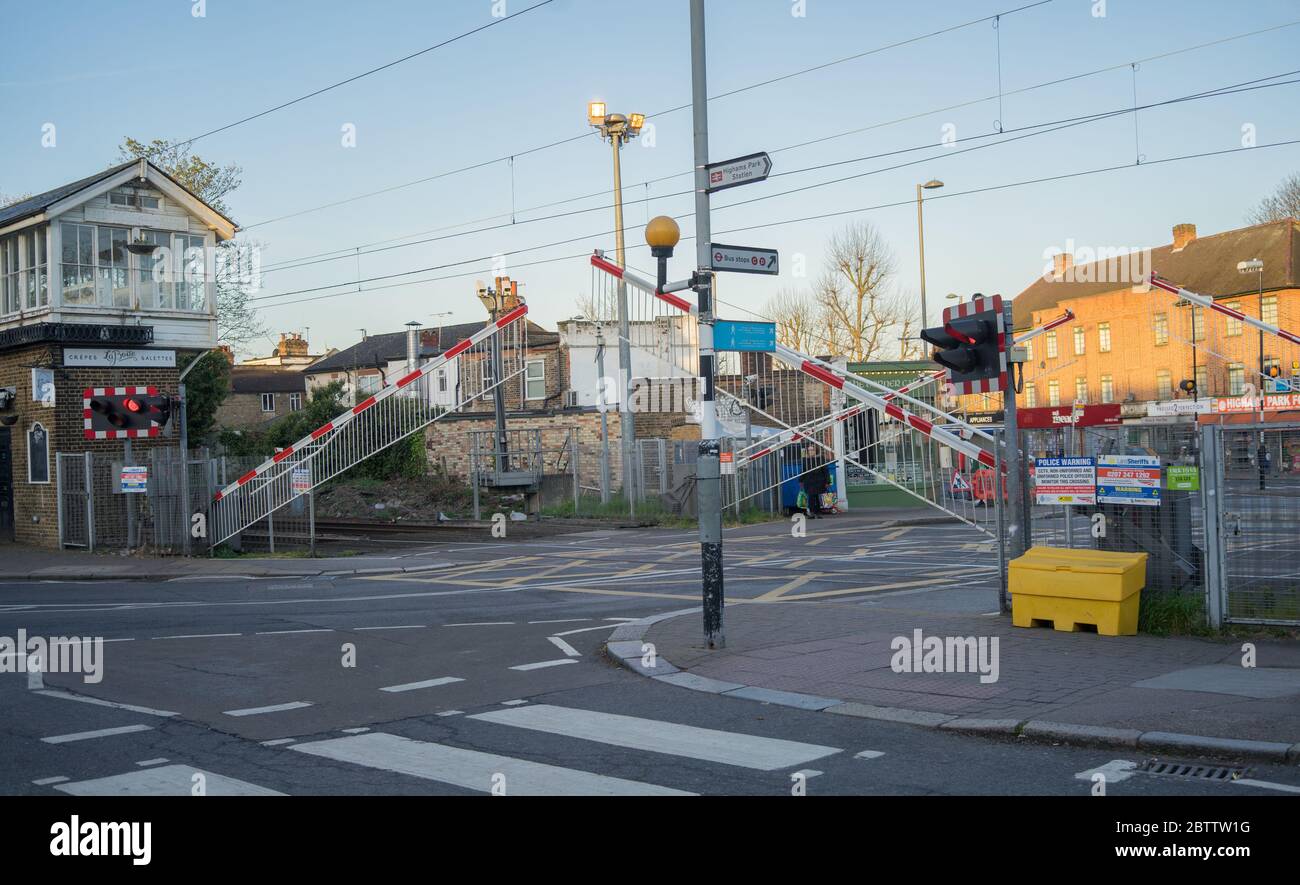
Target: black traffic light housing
[
  {"x": 1187, "y": 386},
  {"x": 125, "y": 412},
  {"x": 8, "y": 396},
  {"x": 969, "y": 345}
]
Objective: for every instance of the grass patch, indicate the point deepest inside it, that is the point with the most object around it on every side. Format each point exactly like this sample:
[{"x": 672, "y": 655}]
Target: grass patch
[
  {"x": 1173, "y": 614},
  {"x": 227, "y": 552},
  {"x": 650, "y": 512}
]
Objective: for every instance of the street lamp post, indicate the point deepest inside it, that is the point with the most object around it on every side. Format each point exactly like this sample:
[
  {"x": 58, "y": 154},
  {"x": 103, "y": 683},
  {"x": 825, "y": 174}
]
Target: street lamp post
[
  {"x": 932, "y": 184},
  {"x": 1256, "y": 266},
  {"x": 619, "y": 130}
]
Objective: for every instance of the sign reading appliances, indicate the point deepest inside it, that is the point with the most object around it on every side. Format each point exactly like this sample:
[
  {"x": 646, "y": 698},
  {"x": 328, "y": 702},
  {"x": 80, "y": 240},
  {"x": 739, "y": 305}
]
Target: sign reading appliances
[{"x": 74, "y": 357}]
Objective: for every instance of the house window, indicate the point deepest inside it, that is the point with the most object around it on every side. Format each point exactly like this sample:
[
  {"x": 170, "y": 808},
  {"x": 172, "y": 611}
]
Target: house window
[
  {"x": 78, "y": 264},
  {"x": 37, "y": 268},
  {"x": 1031, "y": 395},
  {"x": 38, "y": 455},
  {"x": 114, "y": 263},
  {"x": 191, "y": 273},
  {"x": 442, "y": 380},
  {"x": 1053, "y": 393},
  {"x": 1164, "y": 385},
  {"x": 268, "y": 402},
  {"x": 9, "y": 279},
  {"x": 1107, "y": 389},
  {"x": 536, "y": 380},
  {"x": 1198, "y": 323},
  {"x": 134, "y": 199},
  {"x": 1029, "y": 351},
  {"x": 153, "y": 273},
  {"x": 1236, "y": 379},
  {"x": 1202, "y": 381},
  {"x": 1234, "y": 325},
  {"x": 1081, "y": 389},
  {"x": 295, "y": 402},
  {"x": 1162, "y": 329},
  {"x": 1078, "y": 341},
  {"x": 1051, "y": 345},
  {"x": 1269, "y": 312},
  {"x": 1103, "y": 337}
]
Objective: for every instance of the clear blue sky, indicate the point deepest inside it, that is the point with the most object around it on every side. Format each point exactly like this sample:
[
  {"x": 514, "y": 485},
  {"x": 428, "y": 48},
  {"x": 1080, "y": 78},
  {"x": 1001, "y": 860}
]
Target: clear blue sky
[{"x": 149, "y": 69}]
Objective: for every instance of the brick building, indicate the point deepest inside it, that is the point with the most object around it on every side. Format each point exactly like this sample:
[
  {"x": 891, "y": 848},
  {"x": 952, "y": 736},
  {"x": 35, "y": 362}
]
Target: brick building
[
  {"x": 104, "y": 282},
  {"x": 1136, "y": 347},
  {"x": 259, "y": 396}
]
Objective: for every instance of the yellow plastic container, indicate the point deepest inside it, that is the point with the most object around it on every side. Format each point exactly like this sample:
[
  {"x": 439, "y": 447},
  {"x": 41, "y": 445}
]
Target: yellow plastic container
[{"x": 1071, "y": 587}]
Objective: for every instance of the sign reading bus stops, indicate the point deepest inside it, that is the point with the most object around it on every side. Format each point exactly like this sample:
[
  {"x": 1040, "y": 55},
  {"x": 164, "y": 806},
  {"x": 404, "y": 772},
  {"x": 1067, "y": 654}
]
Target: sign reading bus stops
[
  {"x": 741, "y": 259},
  {"x": 742, "y": 170}
]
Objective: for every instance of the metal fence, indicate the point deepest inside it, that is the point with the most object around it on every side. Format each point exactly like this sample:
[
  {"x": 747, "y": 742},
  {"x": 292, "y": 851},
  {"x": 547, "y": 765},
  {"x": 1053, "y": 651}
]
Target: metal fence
[{"x": 103, "y": 507}]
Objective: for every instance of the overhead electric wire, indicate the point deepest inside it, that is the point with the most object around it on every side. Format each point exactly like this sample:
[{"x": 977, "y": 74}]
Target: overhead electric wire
[
  {"x": 533, "y": 150},
  {"x": 383, "y": 67},
  {"x": 799, "y": 220},
  {"x": 350, "y": 250},
  {"x": 1044, "y": 128}
]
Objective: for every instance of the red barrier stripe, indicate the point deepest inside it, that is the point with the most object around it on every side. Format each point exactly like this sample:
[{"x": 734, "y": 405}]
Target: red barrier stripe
[
  {"x": 988, "y": 460},
  {"x": 920, "y": 424},
  {"x": 822, "y": 375},
  {"x": 321, "y": 431},
  {"x": 86, "y": 413},
  {"x": 680, "y": 303},
  {"x": 280, "y": 456},
  {"x": 895, "y": 412},
  {"x": 409, "y": 378},
  {"x": 759, "y": 454},
  {"x": 515, "y": 314},
  {"x": 90, "y": 434},
  {"x": 1294, "y": 339},
  {"x": 362, "y": 406},
  {"x": 218, "y": 496},
  {"x": 607, "y": 267},
  {"x": 459, "y": 349},
  {"x": 87, "y": 393},
  {"x": 252, "y": 474}
]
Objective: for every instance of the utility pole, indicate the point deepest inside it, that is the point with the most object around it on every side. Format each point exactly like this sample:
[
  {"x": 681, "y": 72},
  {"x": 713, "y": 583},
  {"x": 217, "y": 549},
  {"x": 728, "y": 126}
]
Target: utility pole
[
  {"x": 604, "y": 413},
  {"x": 708, "y": 466},
  {"x": 1016, "y": 522}
]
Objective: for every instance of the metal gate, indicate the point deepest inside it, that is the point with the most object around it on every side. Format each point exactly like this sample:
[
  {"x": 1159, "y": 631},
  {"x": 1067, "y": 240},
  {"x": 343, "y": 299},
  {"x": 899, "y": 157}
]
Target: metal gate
[{"x": 1253, "y": 522}]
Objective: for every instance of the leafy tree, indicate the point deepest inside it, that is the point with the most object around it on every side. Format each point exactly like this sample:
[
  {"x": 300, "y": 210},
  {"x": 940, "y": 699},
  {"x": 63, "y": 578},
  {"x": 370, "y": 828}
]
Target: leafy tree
[{"x": 205, "y": 389}]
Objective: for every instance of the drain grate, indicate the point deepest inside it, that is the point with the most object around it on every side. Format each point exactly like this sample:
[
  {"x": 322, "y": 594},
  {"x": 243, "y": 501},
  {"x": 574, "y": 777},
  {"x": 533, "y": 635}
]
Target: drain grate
[{"x": 1200, "y": 772}]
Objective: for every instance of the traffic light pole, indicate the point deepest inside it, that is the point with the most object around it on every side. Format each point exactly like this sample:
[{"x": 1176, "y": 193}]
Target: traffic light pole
[
  {"x": 708, "y": 470},
  {"x": 1011, "y": 458}
]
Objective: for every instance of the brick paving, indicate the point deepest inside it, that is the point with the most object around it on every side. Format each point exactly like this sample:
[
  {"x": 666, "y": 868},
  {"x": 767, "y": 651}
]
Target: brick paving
[{"x": 843, "y": 650}]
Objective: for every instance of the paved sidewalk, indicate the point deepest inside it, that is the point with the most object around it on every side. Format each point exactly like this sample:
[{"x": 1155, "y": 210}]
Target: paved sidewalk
[{"x": 840, "y": 654}]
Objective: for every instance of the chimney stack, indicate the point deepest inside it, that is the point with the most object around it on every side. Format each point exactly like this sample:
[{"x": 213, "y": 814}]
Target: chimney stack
[
  {"x": 1061, "y": 264},
  {"x": 1184, "y": 234}
]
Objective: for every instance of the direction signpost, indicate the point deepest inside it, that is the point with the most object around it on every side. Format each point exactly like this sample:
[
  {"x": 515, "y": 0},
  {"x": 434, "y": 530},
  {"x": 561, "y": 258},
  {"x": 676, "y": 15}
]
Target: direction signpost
[
  {"x": 743, "y": 259},
  {"x": 742, "y": 170}
]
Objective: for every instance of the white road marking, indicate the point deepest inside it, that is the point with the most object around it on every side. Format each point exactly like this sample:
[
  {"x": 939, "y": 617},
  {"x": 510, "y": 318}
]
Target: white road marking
[
  {"x": 514, "y": 703},
  {"x": 289, "y": 632},
  {"x": 402, "y": 627},
  {"x": 200, "y": 636},
  {"x": 451, "y": 713},
  {"x": 541, "y": 665},
  {"x": 809, "y": 773},
  {"x": 562, "y": 621},
  {"x": 279, "y": 742},
  {"x": 274, "y": 708},
  {"x": 354, "y": 730},
  {"x": 565, "y": 647},
  {"x": 148, "y": 762},
  {"x": 130, "y": 708},
  {"x": 588, "y": 629},
  {"x": 46, "y": 781},
  {"x": 1115, "y": 771},
  {"x": 473, "y": 770},
  {"x": 428, "y": 683},
  {"x": 484, "y": 624},
  {"x": 868, "y": 754},
  {"x": 99, "y": 733},
  {"x": 1267, "y": 785},
  {"x": 168, "y": 780},
  {"x": 710, "y": 745}
]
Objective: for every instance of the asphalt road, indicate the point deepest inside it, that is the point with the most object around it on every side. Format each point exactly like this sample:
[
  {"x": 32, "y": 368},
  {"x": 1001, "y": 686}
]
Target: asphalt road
[{"x": 485, "y": 673}]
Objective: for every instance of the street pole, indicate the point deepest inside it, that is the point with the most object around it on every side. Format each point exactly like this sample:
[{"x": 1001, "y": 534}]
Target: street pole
[
  {"x": 624, "y": 334},
  {"x": 920, "y": 236},
  {"x": 1263, "y": 449},
  {"x": 498, "y": 394},
  {"x": 1016, "y": 520},
  {"x": 604, "y": 413},
  {"x": 708, "y": 466}
]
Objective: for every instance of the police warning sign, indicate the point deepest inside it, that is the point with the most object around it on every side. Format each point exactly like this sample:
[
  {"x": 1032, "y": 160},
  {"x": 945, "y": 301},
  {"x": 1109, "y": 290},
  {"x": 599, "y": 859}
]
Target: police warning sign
[
  {"x": 1065, "y": 481},
  {"x": 1128, "y": 479}
]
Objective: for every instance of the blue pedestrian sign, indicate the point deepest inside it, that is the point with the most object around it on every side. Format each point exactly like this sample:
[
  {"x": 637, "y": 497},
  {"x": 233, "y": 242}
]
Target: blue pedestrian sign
[{"x": 744, "y": 336}]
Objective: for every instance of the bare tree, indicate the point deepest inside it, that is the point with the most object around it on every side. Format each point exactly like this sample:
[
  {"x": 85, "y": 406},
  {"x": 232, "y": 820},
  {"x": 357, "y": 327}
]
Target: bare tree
[
  {"x": 795, "y": 315},
  {"x": 7, "y": 200},
  {"x": 852, "y": 293},
  {"x": 1282, "y": 203}
]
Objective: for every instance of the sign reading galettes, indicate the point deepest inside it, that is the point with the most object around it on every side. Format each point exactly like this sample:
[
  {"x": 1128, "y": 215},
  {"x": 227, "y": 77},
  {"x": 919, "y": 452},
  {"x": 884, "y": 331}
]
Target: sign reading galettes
[{"x": 113, "y": 358}]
